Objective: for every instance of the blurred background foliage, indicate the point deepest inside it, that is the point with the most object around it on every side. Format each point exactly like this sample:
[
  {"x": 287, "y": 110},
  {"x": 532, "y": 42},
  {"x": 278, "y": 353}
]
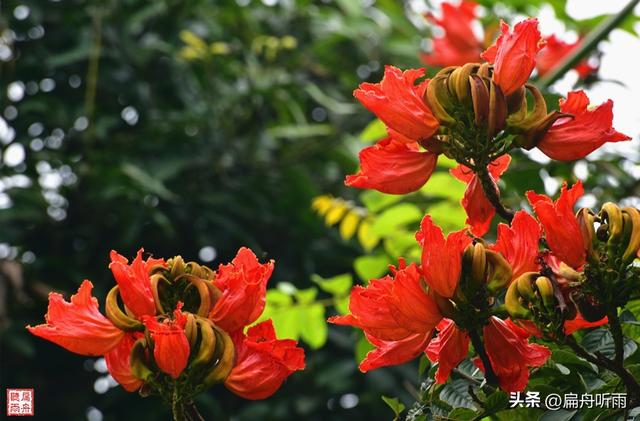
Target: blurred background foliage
[{"x": 195, "y": 127}]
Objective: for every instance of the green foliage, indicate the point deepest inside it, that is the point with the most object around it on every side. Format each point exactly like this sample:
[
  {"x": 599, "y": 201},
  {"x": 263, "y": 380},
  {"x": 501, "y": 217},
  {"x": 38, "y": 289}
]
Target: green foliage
[{"x": 396, "y": 406}]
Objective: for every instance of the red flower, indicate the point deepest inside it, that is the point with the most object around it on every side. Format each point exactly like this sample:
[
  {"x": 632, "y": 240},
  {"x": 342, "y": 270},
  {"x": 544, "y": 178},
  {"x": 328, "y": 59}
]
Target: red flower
[
  {"x": 441, "y": 258},
  {"x": 519, "y": 243},
  {"x": 514, "y": 54},
  {"x": 459, "y": 45},
  {"x": 396, "y": 315},
  {"x": 119, "y": 364},
  {"x": 579, "y": 322},
  {"x": 262, "y": 362},
  {"x": 555, "y": 51},
  {"x": 479, "y": 210},
  {"x": 133, "y": 282},
  {"x": 448, "y": 349},
  {"x": 243, "y": 284},
  {"x": 574, "y": 138},
  {"x": 399, "y": 103},
  {"x": 171, "y": 347},
  {"x": 561, "y": 228},
  {"x": 511, "y": 354},
  {"x": 78, "y": 326},
  {"x": 393, "y": 167}
]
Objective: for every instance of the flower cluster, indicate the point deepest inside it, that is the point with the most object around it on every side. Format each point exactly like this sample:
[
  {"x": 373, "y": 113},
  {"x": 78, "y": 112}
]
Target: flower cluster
[
  {"x": 176, "y": 328},
  {"x": 475, "y": 113},
  {"x": 460, "y": 45}
]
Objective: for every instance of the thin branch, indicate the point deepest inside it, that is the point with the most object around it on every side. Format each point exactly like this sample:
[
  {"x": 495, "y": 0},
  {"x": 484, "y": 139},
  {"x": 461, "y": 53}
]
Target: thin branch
[
  {"x": 489, "y": 374},
  {"x": 588, "y": 43}
]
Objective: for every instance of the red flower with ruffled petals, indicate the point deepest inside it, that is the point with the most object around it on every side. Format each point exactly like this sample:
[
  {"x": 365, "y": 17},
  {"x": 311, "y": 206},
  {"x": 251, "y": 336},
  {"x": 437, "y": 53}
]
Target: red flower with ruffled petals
[
  {"x": 399, "y": 103},
  {"x": 479, "y": 210},
  {"x": 171, "y": 347},
  {"x": 243, "y": 284},
  {"x": 448, "y": 349},
  {"x": 518, "y": 243},
  {"x": 396, "y": 315},
  {"x": 119, "y": 363},
  {"x": 562, "y": 232},
  {"x": 511, "y": 354},
  {"x": 556, "y": 50},
  {"x": 393, "y": 167},
  {"x": 134, "y": 283},
  {"x": 78, "y": 326},
  {"x": 572, "y": 138},
  {"x": 459, "y": 45},
  {"x": 441, "y": 258},
  {"x": 262, "y": 362},
  {"x": 514, "y": 54}
]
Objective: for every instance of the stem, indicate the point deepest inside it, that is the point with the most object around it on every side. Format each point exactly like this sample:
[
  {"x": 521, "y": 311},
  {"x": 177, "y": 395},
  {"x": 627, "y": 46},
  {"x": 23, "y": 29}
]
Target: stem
[
  {"x": 177, "y": 408},
  {"x": 631, "y": 384},
  {"x": 616, "y": 332},
  {"x": 489, "y": 374},
  {"x": 492, "y": 193},
  {"x": 588, "y": 43},
  {"x": 192, "y": 412}
]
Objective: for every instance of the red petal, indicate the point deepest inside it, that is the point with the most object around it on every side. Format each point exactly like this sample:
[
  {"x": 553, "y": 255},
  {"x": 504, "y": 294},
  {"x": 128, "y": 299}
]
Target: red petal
[
  {"x": 171, "y": 347},
  {"x": 571, "y": 326},
  {"x": 394, "y": 352},
  {"x": 555, "y": 51},
  {"x": 519, "y": 243},
  {"x": 399, "y": 103},
  {"x": 78, "y": 325},
  {"x": 393, "y": 167},
  {"x": 562, "y": 232},
  {"x": 514, "y": 55},
  {"x": 574, "y": 138},
  {"x": 133, "y": 282},
  {"x": 119, "y": 364},
  {"x": 262, "y": 362},
  {"x": 448, "y": 349},
  {"x": 243, "y": 284},
  {"x": 441, "y": 259},
  {"x": 511, "y": 355}
]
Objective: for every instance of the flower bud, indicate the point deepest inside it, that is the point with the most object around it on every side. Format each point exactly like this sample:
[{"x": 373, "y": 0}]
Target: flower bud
[
  {"x": 545, "y": 289},
  {"x": 499, "y": 271},
  {"x": 514, "y": 303},
  {"x": 118, "y": 317},
  {"x": 586, "y": 220},
  {"x": 611, "y": 215},
  {"x": 439, "y": 99},
  {"x": 632, "y": 224},
  {"x": 531, "y": 125}
]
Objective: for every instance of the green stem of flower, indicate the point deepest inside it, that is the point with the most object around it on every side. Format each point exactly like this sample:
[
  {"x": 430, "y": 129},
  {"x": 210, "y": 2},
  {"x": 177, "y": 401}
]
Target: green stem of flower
[{"x": 588, "y": 43}]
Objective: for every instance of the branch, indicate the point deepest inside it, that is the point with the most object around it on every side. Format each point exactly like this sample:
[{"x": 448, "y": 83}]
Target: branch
[
  {"x": 588, "y": 43},
  {"x": 489, "y": 374}
]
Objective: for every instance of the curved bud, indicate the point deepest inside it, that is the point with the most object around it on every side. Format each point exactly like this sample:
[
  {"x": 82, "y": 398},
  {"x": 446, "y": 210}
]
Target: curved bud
[
  {"x": 156, "y": 280},
  {"x": 118, "y": 317},
  {"x": 207, "y": 347},
  {"x": 438, "y": 100},
  {"x": 532, "y": 125},
  {"x": 445, "y": 305},
  {"x": 612, "y": 214},
  {"x": 569, "y": 273},
  {"x": 479, "y": 99},
  {"x": 203, "y": 293},
  {"x": 177, "y": 266},
  {"x": 479, "y": 265},
  {"x": 525, "y": 285},
  {"x": 500, "y": 271},
  {"x": 513, "y": 305},
  {"x": 139, "y": 360},
  {"x": 191, "y": 330},
  {"x": 485, "y": 71},
  {"x": 497, "y": 109},
  {"x": 634, "y": 240},
  {"x": 225, "y": 352},
  {"x": 545, "y": 289},
  {"x": 586, "y": 221},
  {"x": 459, "y": 82}
]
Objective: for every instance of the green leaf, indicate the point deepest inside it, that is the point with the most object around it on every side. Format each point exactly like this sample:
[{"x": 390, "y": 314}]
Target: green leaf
[
  {"x": 448, "y": 215},
  {"x": 298, "y": 131},
  {"x": 371, "y": 267},
  {"x": 338, "y": 286},
  {"x": 462, "y": 414},
  {"x": 601, "y": 340},
  {"x": 559, "y": 415},
  {"x": 442, "y": 184},
  {"x": 396, "y": 406},
  {"x": 374, "y": 131},
  {"x": 495, "y": 402},
  {"x": 313, "y": 325},
  {"x": 397, "y": 216},
  {"x": 146, "y": 181},
  {"x": 457, "y": 395},
  {"x": 423, "y": 365},
  {"x": 376, "y": 201},
  {"x": 569, "y": 359},
  {"x": 362, "y": 348}
]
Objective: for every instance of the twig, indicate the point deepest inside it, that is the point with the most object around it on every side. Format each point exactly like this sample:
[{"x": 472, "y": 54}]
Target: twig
[
  {"x": 589, "y": 42},
  {"x": 489, "y": 374},
  {"x": 493, "y": 194}
]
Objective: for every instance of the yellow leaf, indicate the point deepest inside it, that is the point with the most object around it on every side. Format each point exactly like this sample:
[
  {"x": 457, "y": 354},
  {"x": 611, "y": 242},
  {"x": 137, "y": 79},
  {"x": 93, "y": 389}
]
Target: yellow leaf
[
  {"x": 368, "y": 239},
  {"x": 336, "y": 212},
  {"x": 193, "y": 40},
  {"x": 322, "y": 204},
  {"x": 348, "y": 225}
]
